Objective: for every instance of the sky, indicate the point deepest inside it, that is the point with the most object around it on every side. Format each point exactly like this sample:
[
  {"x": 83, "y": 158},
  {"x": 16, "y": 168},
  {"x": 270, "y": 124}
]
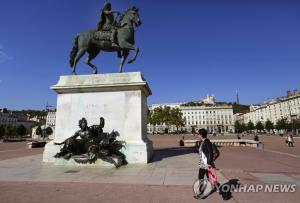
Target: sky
[{"x": 188, "y": 49}]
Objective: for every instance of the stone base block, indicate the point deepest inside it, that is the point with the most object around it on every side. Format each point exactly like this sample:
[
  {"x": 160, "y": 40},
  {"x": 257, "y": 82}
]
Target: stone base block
[
  {"x": 136, "y": 153},
  {"x": 120, "y": 98},
  {"x": 139, "y": 152}
]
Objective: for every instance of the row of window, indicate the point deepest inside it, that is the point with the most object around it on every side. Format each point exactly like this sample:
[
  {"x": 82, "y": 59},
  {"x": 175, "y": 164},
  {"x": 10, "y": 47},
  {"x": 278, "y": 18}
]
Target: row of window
[
  {"x": 5, "y": 120},
  {"x": 206, "y": 112},
  {"x": 213, "y": 117},
  {"x": 209, "y": 122},
  {"x": 275, "y": 114},
  {"x": 281, "y": 109},
  {"x": 50, "y": 121},
  {"x": 209, "y": 128},
  {"x": 288, "y": 104}
]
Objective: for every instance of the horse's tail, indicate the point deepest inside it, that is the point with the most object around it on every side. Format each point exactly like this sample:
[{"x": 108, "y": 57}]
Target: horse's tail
[{"x": 74, "y": 50}]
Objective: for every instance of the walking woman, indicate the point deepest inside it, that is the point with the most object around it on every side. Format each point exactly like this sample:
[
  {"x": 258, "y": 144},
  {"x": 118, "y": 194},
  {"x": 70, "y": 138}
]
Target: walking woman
[{"x": 205, "y": 161}]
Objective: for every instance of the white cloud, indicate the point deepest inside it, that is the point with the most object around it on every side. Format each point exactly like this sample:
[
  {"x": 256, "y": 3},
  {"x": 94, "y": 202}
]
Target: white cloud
[{"x": 4, "y": 56}]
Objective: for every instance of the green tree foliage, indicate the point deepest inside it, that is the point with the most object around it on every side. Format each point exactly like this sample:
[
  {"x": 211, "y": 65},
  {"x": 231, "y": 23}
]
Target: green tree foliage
[
  {"x": 259, "y": 126},
  {"x": 193, "y": 104},
  {"x": 2, "y": 131},
  {"x": 48, "y": 131},
  {"x": 281, "y": 124},
  {"x": 238, "y": 127},
  {"x": 21, "y": 130},
  {"x": 149, "y": 116},
  {"x": 167, "y": 118},
  {"x": 296, "y": 123},
  {"x": 10, "y": 131},
  {"x": 269, "y": 125},
  {"x": 250, "y": 126},
  {"x": 239, "y": 108},
  {"x": 31, "y": 113},
  {"x": 39, "y": 131},
  {"x": 156, "y": 116},
  {"x": 243, "y": 127},
  {"x": 166, "y": 115},
  {"x": 176, "y": 118}
]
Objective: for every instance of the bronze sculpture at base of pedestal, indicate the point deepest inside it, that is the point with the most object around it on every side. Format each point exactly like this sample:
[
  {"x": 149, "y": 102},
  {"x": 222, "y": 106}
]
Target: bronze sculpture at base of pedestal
[{"x": 93, "y": 144}]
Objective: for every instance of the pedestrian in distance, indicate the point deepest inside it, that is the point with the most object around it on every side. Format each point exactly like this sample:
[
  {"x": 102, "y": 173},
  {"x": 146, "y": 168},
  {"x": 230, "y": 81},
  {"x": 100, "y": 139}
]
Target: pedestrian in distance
[{"x": 290, "y": 139}]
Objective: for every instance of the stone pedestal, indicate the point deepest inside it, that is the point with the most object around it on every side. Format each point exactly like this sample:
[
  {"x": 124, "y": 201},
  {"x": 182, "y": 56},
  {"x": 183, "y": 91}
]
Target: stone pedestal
[{"x": 120, "y": 98}]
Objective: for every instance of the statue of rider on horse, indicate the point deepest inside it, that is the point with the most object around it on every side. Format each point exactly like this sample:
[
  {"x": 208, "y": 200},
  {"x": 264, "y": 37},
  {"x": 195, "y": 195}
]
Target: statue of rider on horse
[
  {"x": 110, "y": 36},
  {"x": 107, "y": 23}
]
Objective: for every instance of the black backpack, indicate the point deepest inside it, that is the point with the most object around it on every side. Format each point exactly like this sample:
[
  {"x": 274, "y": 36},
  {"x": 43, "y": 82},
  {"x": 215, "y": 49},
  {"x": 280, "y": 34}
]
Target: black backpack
[{"x": 216, "y": 152}]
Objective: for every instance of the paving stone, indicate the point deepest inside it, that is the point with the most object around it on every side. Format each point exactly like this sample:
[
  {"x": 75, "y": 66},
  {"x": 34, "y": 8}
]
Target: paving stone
[{"x": 275, "y": 178}]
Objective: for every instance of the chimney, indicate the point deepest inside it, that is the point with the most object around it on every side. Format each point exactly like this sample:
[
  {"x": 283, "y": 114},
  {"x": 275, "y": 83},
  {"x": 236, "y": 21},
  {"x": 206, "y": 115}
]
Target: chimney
[
  {"x": 296, "y": 93},
  {"x": 288, "y": 93}
]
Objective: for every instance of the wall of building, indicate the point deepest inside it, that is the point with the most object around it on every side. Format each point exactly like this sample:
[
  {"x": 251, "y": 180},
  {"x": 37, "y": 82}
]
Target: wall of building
[
  {"x": 216, "y": 118},
  {"x": 281, "y": 108},
  {"x": 51, "y": 119},
  {"x": 8, "y": 119}
]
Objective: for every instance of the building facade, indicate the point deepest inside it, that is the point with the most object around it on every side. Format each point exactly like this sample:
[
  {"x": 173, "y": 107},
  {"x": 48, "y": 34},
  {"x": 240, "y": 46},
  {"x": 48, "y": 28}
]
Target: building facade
[
  {"x": 50, "y": 119},
  {"x": 7, "y": 118},
  {"x": 215, "y": 117},
  {"x": 276, "y": 109}
]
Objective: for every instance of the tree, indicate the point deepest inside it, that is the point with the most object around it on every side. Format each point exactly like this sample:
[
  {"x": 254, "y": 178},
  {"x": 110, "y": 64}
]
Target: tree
[
  {"x": 281, "y": 124},
  {"x": 2, "y": 131},
  {"x": 166, "y": 115},
  {"x": 38, "y": 131},
  {"x": 297, "y": 123},
  {"x": 149, "y": 116},
  {"x": 237, "y": 126},
  {"x": 21, "y": 130},
  {"x": 158, "y": 118},
  {"x": 167, "y": 119},
  {"x": 176, "y": 118},
  {"x": 290, "y": 126},
  {"x": 155, "y": 116},
  {"x": 250, "y": 126},
  {"x": 269, "y": 125},
  {"x": 259, "y": 126},
  {"x": 10, "y": 131},
  {"x": 239, "y": 108},
  {"x": 243, "y": 127},
  {"x": 49, "y": 131}
]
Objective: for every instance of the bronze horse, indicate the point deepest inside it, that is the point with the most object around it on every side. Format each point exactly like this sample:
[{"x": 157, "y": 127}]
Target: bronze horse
[{"x": 86, "y": 42}]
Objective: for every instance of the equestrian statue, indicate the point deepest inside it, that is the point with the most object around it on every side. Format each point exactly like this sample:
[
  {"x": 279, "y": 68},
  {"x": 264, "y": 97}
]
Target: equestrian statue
[{"x": 110, "y": 36}]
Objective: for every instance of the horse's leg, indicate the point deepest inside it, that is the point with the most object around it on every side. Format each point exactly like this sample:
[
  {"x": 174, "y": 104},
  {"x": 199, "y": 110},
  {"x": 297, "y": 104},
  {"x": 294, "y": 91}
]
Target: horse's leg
[
  {"x": 126, "y": 45},
  {"x": 77, "y": 58},
  {"x": 125, "y": 54},
  {"x": 136, "y": 50},
  {"x": 91, "y": 56}
]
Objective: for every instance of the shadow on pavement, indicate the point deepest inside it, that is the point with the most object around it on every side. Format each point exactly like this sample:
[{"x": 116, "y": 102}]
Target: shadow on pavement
[
  {"x": 225, "y": 190},
  {"x": 159, "y": 154}
]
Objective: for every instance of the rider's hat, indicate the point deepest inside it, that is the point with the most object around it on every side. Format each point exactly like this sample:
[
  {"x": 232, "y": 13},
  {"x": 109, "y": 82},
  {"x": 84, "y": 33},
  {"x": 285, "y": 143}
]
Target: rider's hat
[{"x": 107, "y": 5}]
